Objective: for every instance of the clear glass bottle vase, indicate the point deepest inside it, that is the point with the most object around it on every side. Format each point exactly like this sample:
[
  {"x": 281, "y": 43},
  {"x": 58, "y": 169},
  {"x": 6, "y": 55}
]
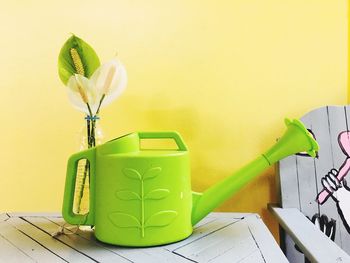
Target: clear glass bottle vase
[{"x": 90, "y": 135}]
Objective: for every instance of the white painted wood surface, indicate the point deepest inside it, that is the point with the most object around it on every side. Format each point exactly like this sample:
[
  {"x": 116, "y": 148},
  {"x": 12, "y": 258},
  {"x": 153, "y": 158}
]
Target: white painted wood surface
[
  {"x": 314, "y": 243},
  {"x": 220, "y": 237}
]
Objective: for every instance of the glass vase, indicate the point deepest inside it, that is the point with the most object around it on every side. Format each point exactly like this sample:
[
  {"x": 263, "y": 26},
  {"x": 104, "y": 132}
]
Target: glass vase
[{"x": 90, "y": 135}]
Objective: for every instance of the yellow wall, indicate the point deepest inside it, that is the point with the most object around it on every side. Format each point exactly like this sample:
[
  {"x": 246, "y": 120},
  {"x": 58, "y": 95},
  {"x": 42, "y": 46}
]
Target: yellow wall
[{"x": 222, "y": 73}]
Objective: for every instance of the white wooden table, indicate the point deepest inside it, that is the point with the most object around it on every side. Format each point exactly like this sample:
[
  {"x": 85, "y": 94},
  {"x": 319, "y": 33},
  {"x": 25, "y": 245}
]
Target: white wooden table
[{"x": 220, "y": 237}]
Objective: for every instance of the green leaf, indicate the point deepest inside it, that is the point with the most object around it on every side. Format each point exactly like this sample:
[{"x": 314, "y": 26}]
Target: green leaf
[
  {"x": 157, "y": 194},
  {"x": 87, "y": 54},
  {"x": 151, "y": 173},
  {"x": 131, "y": 173},
  {"x": 162, "y": 218},
  {"x": 127, "y": 195},
  {"x": 124, "y": 220}
]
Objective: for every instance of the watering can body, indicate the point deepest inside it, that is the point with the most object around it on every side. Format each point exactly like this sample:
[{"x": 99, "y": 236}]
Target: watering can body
[
  {"x": 138, "y": 197},
  {"x": 144, "y": 197}
]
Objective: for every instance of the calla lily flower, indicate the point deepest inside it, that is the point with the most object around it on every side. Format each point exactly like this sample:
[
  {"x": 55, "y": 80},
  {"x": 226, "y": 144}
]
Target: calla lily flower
[{"x": 105, "y": 85}]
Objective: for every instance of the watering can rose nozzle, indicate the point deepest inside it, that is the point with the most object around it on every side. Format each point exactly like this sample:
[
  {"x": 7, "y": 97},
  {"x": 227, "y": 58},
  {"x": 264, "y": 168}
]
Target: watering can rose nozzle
[
  {"x": 295, "y": 140},
  {"x": 314, "y": 145}
]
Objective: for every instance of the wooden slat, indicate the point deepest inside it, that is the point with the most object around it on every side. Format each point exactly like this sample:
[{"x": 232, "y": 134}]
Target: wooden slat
[
  {"x": 291, "y": 253},
  {"x": 233, "y": 241},
  {"x": 202, "y": 231},
  {"x": 227, "y": 215},
  {"x": 306, "y": 175},
  {"x": 315, "y": 245},
  {"x": 39, "y": 214},
  {"x": 151, "y": 255},
  {"x": 26, "y": 244},
  {"x": 88, "y": 247},
  {"x": 264, "y": 240},
  {"x": 11, "y": 254},
  {"x": 55, "y": 246},
  {"x": 338, "y": 124},
  {"x": 346, "y": 235},
  {"x": 204, "y": 221},
  {"x": 325, "y": 162},
  {"x": 255, "y": 257},
  {"x": 289, "y": 182}
]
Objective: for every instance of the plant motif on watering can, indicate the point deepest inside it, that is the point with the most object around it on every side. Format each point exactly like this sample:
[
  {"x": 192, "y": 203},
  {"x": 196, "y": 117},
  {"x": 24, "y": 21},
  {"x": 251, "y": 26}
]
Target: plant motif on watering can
[{"x": 158, "y": 219}]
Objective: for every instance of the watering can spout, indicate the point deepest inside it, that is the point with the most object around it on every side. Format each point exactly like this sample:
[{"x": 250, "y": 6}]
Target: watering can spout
[{"x": 295, "y": 140}]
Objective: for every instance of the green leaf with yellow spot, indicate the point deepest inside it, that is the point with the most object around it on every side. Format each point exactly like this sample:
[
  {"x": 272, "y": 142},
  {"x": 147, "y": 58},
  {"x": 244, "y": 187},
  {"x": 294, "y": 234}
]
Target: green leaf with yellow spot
[{"x": 76, "y": 57}]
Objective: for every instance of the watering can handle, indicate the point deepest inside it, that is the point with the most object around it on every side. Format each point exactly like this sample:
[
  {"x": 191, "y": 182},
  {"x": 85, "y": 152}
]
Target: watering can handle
[
  {"x": 67, "y": 210},
  {"x": 165, "y": 135}
]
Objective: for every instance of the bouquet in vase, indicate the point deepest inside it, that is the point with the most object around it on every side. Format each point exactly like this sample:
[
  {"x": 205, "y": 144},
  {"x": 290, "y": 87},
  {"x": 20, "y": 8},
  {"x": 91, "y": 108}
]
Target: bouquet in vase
[{"x": 90, "y": 87}]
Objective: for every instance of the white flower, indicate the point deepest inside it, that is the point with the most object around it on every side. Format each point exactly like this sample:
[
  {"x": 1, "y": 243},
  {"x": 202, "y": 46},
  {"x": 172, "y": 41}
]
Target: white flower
[{"x": 107, "y": 83}]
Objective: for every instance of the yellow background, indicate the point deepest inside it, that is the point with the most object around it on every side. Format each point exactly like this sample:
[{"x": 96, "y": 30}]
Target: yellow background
[{"x": 222, "y": 73}]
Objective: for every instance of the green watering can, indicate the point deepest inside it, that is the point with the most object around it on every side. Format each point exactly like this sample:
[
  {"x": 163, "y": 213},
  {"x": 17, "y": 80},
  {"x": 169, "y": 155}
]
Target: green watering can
[{"x": 144, "y": 198}]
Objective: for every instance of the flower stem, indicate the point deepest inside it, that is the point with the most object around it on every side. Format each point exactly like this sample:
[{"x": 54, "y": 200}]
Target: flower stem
[
  {"x": 93, "y": 122},
  {"x": 93, "y": 128},
  {"x": 99, "y": 105}
]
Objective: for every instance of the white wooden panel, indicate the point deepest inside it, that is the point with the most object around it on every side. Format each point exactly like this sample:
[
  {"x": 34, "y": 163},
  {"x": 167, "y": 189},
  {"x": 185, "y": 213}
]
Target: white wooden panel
[
  {"x": 264, "y": 239},
  {"x": 325, "y": 162},
  {"x": 326, "y": 123},
  {"x": 233, "y": 241},
  {"x": 92, "y": 249},
  {"x": 228, "y": 215},
  {"x": 293, "y": 255},
  {"x": 288, "y": 179},
  {"x": 255, "y": 257},
  {"x": 204, "y": 221},
  {"x": 11, "y": 254},
  {"x": 307, "y": 184},
  {"x": 41, "y": 214},
  {"x": 151, "y": 255},
  {"x": 315, "y": 245},
  {"x": 26, "y": 244},
  {"x": 51, "y": 244},
  {"x": 338, "y": 124},
  {"x": 202, "y": 231}
]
